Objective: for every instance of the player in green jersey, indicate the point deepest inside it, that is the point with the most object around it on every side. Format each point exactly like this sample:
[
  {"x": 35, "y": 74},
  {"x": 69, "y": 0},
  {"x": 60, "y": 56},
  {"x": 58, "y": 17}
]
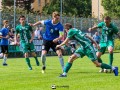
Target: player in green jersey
[
  {"x": 107, "y": 39},
  {"x": 86, "y": 48},
  {"x": 26, "y": 40}
]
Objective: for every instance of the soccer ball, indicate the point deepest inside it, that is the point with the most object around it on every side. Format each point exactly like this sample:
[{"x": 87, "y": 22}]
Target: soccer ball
[{"x": 53, "y": 86}]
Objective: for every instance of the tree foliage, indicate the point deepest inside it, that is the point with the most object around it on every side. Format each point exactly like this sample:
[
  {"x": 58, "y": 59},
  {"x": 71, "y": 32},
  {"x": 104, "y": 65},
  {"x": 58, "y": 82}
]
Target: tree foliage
[
  {"x": 80, "y": 8},
  {"x": 112, "y": 8},
  {"x": 7, "y": 5},
  {"x": 7, "y": 2}
]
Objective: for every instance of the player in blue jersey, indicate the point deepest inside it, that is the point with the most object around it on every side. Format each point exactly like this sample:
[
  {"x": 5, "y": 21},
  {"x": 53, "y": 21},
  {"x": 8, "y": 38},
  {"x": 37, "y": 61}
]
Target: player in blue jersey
[
  {"x": 53, "y": 34},
  {"x": 4, "y": 35}
]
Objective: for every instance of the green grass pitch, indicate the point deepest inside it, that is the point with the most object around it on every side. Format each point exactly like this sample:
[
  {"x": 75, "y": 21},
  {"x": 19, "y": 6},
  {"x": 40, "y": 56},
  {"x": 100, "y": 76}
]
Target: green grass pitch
[{"x": 82, "y": 76}]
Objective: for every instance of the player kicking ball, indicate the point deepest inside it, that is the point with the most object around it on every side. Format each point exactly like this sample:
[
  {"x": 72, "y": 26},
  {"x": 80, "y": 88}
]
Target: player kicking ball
[{"x": 86, "y": 48}]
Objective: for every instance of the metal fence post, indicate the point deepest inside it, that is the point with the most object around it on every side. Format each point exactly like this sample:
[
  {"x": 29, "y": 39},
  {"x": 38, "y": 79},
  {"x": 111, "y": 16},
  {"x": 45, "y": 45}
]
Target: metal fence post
[
  {"x": 74, "y": 22},
  {"x": 81, "y": 23},
  {"x": 14, "y": 13}
]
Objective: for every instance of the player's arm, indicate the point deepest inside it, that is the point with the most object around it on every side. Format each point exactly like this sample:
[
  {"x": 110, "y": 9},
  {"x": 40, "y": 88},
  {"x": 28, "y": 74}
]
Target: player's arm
[
  {"x": 93, "y": 41},
  {"x": 60, "y": 37},
  {"x": 0, "y": 36},
  {"x": 100, "y": 25},
  {"x": 7, "y": 36},
  {"x": 32, "y": 33},
  {"x": 92, "y": 28},
  {"x": 32, "y": 37},
  {"x": 63, "y": 43},
  {"x": 38, "y": 23},
  {"x": 15, "y": 36},
  {"x": 116, "y": 31}
]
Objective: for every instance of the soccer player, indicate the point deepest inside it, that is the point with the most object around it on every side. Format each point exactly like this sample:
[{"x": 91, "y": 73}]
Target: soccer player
[
  {"x": 26, "y": 40},
  {"x": 4, "y": 36},
  {"x": 107, "y": 39},
  {"x": 86, "y": 48},
  {"x": 51, "y": 37}
]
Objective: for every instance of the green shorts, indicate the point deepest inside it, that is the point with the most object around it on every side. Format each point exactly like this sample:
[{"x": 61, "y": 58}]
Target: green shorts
[
  {"x": 89, "y": 51},
  {"x": 27, "y": 47},
  {"x": 104, "y": 45}
]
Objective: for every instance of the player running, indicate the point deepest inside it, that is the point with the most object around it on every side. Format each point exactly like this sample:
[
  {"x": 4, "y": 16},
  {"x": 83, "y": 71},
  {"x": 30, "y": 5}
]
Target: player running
[
  {"x": 86, "y": 48},
  {"x": 26, "y": 39},
  {"x": 107, "y": 39},
  {"x": 4, "y": 36},
  {"x": 53, "y": 34}
]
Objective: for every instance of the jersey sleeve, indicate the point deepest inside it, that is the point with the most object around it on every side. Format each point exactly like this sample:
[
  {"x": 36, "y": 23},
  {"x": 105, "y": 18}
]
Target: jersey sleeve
[
  {"x": 1, "y": 33},
  {"x": 100, "y": 25},
  {"x": 17, "y": 30},
  {"x": 30, "y": 28},
  {"x": 70, "y": 34},
  {"x": 115, "y": 29},
  {"x": 45, "y": 22}
]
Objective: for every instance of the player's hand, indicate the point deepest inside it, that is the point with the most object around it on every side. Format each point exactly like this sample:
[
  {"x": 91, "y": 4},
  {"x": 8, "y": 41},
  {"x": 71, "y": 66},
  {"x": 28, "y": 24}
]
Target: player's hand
[
  {"x": 98, "y": 47},
  {"x": 30, "y": 24},
  {"x": 16, "y": 43},
  {"x": 7, "y": 36},
  {"x": 40, "y": 37},
  {"x": 30, "y": 40},
  {"x": 90, "y": 29},
  {"x": 55, "y": 40},
  {"x": 58, "y": 46}
]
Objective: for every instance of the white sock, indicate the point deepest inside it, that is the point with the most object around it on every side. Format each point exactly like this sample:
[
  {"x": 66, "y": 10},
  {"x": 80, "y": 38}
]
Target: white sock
[
  {"x": 4, "y": 59},
  {"x": 113, "y": 68},
  {"x": 43, "y": 59},
  {"x": 64, "y": 73},
  {"x": 61, "y": 62}
]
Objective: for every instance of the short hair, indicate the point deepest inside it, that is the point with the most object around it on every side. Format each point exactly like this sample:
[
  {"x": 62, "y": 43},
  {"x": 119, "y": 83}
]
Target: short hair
[
  {"x": 55, "y": 14},
  {"x": 5, "y": 21},
  {"x": 68, "y": 25},
  {"x": 107, "y": 18},
  {"x": 22, "y": 16}
]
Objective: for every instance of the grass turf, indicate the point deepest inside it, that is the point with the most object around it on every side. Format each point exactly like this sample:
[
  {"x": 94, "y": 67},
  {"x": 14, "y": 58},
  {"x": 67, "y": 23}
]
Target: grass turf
[{"x": 82, "y": 76}]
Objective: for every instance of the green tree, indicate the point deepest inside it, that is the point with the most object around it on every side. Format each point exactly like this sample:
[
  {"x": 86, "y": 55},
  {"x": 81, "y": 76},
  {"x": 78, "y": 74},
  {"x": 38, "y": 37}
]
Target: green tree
[
  {"x": 112, "y": 8},
  {"x": 7, "y": 2},
  {"x": 7, "y": 5},
  {"x": 80, "y": 8}
]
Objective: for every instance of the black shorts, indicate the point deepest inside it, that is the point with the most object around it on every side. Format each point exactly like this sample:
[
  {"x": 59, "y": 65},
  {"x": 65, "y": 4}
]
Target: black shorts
[
  {"x": 4, "y": 49},
  {"x": 49, "y": 44}
]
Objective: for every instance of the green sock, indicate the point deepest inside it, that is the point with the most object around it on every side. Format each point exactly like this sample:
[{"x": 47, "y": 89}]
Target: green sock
[
  {"x": 106, "y": 66},
  {"x": 28, "y": 62},
  {"x": 37, "y": 62},
  {"x": 100, "y": 61},
  {"x": 110, "y": 59},
  {"x": 67, "y": 67}
]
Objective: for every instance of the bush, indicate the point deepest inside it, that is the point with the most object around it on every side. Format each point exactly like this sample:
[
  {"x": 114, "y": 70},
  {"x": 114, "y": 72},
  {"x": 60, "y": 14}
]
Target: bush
[{"x": 117, "y": 44}]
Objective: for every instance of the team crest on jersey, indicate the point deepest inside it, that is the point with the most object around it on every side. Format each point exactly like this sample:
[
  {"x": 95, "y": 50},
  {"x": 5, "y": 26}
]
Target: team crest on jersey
[
  {"x": 51, "y": 30},
  {"x": 56, "y": 28},
  {"x": 105, "y": 28}
]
